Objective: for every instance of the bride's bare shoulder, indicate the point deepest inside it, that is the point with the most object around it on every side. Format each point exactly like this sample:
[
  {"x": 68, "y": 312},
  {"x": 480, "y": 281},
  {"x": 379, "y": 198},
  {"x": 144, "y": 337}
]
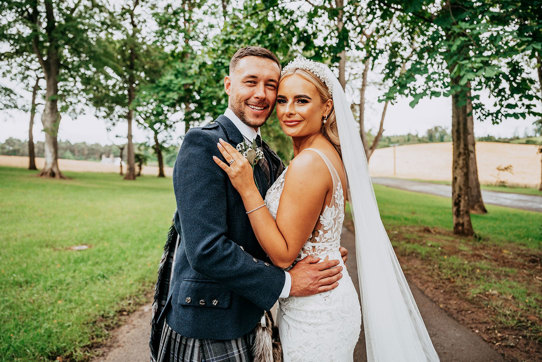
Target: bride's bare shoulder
[{"x": 309, "y": 167}]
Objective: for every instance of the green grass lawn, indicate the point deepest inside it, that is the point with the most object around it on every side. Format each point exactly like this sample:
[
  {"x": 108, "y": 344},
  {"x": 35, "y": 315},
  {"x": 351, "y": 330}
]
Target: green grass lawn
[
  {"x": 58, "y": 302},
  {"x": 55, "y": 301},
  {"x": 500, "y": 224}
]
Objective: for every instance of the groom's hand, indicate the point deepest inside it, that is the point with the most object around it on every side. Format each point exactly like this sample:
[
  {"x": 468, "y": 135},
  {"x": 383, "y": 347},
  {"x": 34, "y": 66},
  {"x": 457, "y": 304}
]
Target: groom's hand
[
  {"x": 310, "y": 277},
  {"x": 344, "y": 253}
]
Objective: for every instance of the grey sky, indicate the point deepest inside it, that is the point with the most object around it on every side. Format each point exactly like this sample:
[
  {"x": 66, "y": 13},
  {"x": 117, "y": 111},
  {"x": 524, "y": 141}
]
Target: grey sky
[{"x": 400, "y": 119}]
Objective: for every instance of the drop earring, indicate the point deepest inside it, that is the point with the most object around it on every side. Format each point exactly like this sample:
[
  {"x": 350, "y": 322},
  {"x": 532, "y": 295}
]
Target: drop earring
[{"x": 324, "y": 120}]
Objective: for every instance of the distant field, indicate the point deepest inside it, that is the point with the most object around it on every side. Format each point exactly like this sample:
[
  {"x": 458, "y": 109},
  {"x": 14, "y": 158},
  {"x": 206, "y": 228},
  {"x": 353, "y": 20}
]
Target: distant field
[
  {"x": 78, "y": 166},
  {"x": 433, "y": 161}
]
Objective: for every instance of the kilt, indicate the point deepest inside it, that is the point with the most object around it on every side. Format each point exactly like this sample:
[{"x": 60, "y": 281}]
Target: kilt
[{"x": 176, "y": 348}]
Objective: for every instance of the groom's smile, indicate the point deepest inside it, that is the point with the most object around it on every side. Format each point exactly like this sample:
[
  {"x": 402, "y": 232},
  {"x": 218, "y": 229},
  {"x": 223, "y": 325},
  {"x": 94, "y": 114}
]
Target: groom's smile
[{"x": 252, "y": 89}]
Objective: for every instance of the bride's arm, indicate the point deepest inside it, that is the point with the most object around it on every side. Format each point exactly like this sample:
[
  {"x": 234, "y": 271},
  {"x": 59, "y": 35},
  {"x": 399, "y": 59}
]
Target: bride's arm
[{"x": 300, "y": 205}]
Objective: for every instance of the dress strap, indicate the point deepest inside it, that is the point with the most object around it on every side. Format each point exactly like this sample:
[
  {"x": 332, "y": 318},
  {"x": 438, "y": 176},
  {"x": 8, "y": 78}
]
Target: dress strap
[{"x": 331, "y": 168}]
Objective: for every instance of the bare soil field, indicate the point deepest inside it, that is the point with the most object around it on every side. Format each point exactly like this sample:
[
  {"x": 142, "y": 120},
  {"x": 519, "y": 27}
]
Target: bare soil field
[
  {"x": 79, "y": 166},
  {"x": 433, "y": 161}
]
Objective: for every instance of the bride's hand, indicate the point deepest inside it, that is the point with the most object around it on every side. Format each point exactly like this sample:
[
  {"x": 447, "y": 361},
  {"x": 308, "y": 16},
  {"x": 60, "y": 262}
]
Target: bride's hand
[{"x": 238, "y": 168}]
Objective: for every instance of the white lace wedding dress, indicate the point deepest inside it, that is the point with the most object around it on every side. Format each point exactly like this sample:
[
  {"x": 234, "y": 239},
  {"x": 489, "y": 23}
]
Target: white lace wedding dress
[{"x": 325, "y": 326}]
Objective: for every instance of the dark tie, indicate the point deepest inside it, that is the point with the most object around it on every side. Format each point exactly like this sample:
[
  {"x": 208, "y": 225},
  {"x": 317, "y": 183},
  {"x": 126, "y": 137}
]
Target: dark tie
[{"x": 263, "y": 163}]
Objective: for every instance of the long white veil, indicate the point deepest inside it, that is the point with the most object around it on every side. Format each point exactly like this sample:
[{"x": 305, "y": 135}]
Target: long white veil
[{"x": 394, "y": 329}]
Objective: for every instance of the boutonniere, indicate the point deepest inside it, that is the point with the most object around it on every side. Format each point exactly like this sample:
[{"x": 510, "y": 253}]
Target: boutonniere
[{"x": 250, "y": 151}]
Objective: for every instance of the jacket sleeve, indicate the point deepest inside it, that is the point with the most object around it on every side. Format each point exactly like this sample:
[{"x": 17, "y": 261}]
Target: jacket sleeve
[{"x": 200, "y": 191}]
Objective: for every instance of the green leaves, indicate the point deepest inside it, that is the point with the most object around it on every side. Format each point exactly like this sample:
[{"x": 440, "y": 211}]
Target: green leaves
[{"x": 483, "y": 45}]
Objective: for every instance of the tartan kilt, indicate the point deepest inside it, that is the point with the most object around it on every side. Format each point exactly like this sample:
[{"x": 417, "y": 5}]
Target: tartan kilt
[{"x": 176, "y": 348}]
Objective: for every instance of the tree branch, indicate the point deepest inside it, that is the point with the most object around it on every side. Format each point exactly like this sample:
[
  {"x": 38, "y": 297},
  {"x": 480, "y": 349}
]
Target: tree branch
[
  {"x": 419, "y": 16},
  {"x": 72, "y": 11},
  {"x": 380, "y": 131},
  {"x": 34, "y": 17}
]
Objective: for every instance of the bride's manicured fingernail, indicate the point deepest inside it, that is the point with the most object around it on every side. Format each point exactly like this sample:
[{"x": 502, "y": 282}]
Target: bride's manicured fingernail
[{"x": 221, "y": 140}]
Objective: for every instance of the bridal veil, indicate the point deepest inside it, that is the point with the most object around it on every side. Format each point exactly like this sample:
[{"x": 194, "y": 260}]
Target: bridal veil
[{"x": 394, "y": 329}]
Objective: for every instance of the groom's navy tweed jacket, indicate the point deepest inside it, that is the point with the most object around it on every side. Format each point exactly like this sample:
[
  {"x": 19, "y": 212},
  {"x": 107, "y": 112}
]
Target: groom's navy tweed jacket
[{"x": 222, "y": 279}]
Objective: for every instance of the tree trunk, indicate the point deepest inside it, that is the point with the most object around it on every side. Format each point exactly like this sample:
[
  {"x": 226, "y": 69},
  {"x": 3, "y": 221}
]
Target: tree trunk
[
  {"x": 51, "y": 121},
  {"x": 369, "y": 149},
  {"x": 130, "y": 157},
  {"x": 50, "y": 117},
  {"x": 130, "y": 161},
  {"x": 539, "y": 70},
  {"x": 362, "y": 107},
  {"x": 158, "y": 150},
  {"x": 121, "y": 148},
  {"x": 460, "y": 167},
  {"x": 339, "y": 4},
  {"x": 476, "y": 204},
  {"x": 31, "y": 151},
  {"x": 380, "y": 131},
  {"x": 224, "y": 10}
]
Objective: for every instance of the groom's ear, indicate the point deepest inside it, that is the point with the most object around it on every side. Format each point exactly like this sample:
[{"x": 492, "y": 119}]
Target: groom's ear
[{"x": 227, "y": 84}]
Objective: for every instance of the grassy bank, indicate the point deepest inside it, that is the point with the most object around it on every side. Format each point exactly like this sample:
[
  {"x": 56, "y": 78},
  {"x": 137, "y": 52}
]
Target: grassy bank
[
  {"x": 491, "y": 283},
  {"x": 55, "y": 301},
  {"x": 500, "y": 225}
]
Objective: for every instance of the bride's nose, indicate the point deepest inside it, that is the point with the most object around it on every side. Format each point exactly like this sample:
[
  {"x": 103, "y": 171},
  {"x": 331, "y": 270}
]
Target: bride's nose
[{"x": 290, "y": 108}]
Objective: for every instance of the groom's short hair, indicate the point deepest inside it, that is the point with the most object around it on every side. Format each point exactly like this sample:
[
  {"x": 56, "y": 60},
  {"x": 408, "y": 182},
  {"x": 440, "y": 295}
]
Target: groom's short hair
[{"x": 252, "y": 52}]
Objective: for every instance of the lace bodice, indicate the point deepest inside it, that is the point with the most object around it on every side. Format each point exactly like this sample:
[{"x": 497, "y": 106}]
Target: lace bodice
[{"x": 326, "y": 236}]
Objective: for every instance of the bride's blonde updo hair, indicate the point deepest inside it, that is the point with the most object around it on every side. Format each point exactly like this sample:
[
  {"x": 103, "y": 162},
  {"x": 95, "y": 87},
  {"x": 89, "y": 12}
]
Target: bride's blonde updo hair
[{"x": 328, "y": 129}]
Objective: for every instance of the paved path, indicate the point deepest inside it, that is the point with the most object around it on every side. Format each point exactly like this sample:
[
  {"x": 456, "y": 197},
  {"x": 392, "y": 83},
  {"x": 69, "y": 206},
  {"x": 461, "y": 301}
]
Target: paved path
[
  {"x": 452, "y": 341},
  {"x": 507, "y": 199}
]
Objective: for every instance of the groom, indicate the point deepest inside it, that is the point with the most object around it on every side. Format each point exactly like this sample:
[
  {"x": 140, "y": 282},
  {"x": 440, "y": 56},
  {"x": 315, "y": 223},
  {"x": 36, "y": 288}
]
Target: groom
[{"x": 222, "y": 280}]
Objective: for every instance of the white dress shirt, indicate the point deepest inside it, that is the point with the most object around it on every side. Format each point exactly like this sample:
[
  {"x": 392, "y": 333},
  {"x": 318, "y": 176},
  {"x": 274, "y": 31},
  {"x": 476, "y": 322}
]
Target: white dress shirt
[{"x": 250, "y": 134}]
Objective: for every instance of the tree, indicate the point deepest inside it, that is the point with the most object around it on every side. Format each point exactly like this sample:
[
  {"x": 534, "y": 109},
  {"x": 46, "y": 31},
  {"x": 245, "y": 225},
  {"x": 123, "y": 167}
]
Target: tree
[
  {"x": 10, "y": 100},
  {"x": 193, "y": 82},
  {"x": 140, "y": 159},
  {"x": 31, "y": 151},
  {"x": 156, "y": 117},
  {"x": 59, "y": 34},
  {"x": 127, "y": 63},
  {"x": 463, "y": 51}
]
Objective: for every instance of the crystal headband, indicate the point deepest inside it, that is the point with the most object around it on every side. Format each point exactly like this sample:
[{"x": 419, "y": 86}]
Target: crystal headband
[{"x": 318, "y": 69}]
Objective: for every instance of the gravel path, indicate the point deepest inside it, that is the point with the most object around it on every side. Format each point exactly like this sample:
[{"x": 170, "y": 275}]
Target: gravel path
[
  {"x": 507, "y": 199},
  {"x": 452, "y": 341}
]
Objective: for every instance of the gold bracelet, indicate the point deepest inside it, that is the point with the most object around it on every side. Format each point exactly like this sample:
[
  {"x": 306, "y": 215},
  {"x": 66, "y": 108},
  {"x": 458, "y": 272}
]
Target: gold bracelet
[{"x": 259, "y": 207}]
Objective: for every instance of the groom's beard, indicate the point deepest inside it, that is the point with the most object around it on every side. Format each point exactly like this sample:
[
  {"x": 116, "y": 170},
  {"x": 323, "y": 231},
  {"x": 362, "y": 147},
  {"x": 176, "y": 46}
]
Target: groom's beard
[{"x": 239, "y": 109}]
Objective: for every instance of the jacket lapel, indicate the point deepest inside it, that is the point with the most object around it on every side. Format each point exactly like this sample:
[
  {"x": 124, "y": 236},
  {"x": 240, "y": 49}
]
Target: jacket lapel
[{"x": 232, "y": 133}]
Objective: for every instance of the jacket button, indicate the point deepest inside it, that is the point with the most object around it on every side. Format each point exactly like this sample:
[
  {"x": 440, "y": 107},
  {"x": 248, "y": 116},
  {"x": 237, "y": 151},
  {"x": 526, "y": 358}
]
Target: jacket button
[
  {"x": 188, "y": 300},
  {"x": 242, "y": 247},
  {"x": 255, "y": 260},
  {"x": 215, "y": 302},
  {"x": 202, "y": 302},
  {"x": 266, "y": 264}
]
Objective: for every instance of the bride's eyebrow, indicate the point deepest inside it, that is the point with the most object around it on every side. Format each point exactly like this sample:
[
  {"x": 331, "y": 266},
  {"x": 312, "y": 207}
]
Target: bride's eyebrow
[{"x": 299, "y": 96}]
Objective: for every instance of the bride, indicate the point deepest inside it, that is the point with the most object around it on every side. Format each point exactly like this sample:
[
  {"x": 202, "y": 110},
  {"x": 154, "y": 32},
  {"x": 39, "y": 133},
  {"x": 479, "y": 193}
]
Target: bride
[{"x": 304, "y": 216}]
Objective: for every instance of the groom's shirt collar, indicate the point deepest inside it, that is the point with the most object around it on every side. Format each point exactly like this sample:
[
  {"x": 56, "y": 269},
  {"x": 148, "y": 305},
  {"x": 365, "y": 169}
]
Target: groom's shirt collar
[{"x": 248, "y": 132}]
